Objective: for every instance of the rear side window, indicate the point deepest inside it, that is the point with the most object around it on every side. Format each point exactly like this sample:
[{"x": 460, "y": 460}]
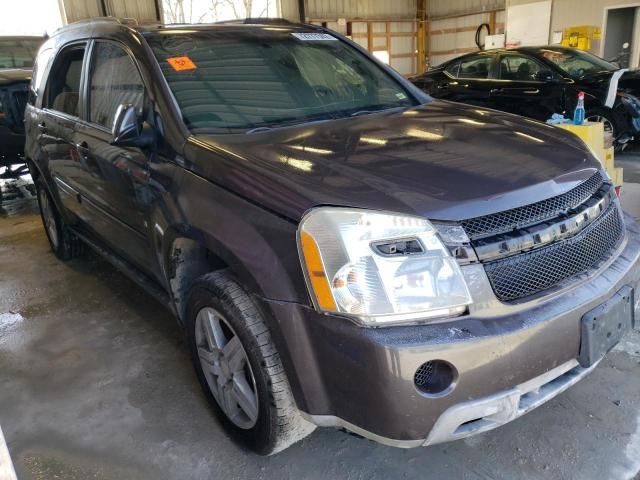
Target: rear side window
[
  {"x": 475, "y": 67},
  {"x": 114, "y": 81},
  {"x": 63, "y": 89}
]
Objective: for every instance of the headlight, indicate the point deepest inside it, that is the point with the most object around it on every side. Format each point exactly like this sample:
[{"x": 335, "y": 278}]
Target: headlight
[{"x": 379, "y": 268}]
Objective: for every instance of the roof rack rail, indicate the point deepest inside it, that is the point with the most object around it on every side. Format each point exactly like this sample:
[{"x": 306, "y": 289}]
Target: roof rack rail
[
  {"x": 99, "y": 20},
  {"x": 257, "y": 20}
]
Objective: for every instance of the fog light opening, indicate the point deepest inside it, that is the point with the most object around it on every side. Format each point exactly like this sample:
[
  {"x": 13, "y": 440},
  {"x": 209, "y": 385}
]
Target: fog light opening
[{"x": 435, "y": 378}]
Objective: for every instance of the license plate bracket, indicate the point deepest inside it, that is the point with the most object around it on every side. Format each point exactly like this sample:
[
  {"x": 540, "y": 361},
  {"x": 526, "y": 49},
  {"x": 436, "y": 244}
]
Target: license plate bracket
[{"x": 604, "y": 326}]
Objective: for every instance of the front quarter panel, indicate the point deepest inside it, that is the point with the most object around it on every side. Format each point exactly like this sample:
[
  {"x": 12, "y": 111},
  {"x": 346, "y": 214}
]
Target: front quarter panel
[{"x": 257, "y": 245}]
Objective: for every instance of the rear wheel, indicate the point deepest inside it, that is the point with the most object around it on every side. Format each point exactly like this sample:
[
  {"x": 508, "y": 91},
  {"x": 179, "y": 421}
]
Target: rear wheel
[
  {"x": 63, "y": 243},
  {"x": 239, "y": 367}
]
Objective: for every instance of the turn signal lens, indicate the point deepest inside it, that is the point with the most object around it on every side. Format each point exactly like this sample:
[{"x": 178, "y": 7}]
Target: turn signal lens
[{"x": 316, "y": 273}]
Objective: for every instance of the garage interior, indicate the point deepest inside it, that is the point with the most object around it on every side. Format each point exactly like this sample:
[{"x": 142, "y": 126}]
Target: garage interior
[{"x": 95, "y": 378}]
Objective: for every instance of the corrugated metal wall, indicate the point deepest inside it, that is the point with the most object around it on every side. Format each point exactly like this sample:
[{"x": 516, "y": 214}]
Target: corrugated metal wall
[
  {"x": 452, "y": 37},
  {"x": 441, "y": 8},
  {"x": 289, "y": 10},
  {"x": 366, "y": 9},
  {"x": 80, "y": 9},
  {"x": 453, "y": 26},
  {"x": 142, "y": 10}
]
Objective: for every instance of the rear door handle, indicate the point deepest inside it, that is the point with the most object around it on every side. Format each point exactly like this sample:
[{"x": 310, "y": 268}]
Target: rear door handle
[{"x": 495, "y": 90}]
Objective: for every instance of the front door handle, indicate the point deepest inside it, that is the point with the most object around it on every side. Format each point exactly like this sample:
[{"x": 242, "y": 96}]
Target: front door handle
[
  {"x": 42, "y": 127},
  {"x": 495, "y": 90},
  {"x": 83, "y": 150}
]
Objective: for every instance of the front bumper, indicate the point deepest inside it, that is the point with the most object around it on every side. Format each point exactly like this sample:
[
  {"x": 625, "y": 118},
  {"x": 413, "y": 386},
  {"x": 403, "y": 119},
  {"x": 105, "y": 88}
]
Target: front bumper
[
  {"x": 510, "y": 358},
  {"x": 482, "y": 414}
]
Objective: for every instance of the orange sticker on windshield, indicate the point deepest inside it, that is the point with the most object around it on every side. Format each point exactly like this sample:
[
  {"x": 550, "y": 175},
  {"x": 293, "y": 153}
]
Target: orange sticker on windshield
[{"x": 181, "y": 63}]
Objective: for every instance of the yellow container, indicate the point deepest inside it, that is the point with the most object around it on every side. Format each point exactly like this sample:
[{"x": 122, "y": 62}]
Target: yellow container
[
  {"x": 608, "y": 159},
  {"x": 617, "y": 177},
  {"x": 592, "y": 133},
  {"x": 580, "y": 36}
]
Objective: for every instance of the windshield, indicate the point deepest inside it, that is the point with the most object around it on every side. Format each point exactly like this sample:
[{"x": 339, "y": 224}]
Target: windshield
[
  {"x": 577, "y": 63},
  {"x": 18, "y": 52},
  {"x": 227, "y": 79}
]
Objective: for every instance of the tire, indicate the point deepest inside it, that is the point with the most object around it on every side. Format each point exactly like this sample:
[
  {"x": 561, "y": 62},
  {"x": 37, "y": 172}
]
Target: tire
[
  {"x": 62, "y": 242},
  {"x": 252, "y": 397},
  {"x": 610, "y": 123}
]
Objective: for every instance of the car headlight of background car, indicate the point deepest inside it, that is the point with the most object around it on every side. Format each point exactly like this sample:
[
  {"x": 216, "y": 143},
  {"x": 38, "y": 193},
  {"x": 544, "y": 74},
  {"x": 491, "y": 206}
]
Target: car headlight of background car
[{"x": 379, "y": 268}]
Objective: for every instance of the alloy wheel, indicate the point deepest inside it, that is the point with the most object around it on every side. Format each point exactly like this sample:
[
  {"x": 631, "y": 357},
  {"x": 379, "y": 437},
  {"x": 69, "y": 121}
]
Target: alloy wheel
[
  {"x": 226, "y": 368},
  {"x": 49, "y": 218}
]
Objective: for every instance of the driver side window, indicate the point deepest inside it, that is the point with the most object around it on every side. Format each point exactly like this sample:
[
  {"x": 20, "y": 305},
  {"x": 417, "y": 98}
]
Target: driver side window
[
  {"x": 114, "y": 81},
  {"x": 519, "y": 68}
]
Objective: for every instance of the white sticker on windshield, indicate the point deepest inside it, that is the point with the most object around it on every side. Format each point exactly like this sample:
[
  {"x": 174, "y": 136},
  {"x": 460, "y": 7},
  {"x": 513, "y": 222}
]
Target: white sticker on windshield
[
  {"x": 401, "y": 95},
  {"x": 313, "y": 37}
]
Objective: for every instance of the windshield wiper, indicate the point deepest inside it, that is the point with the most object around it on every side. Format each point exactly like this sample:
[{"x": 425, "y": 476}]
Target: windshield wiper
[
  {"x": 375, "y": 110},
  {"x": 288, "y": 123}
]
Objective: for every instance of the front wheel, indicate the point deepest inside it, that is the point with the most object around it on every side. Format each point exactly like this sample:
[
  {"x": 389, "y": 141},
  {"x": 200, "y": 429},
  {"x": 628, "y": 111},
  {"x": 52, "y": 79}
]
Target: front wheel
[{"x": 239, "y": 368}]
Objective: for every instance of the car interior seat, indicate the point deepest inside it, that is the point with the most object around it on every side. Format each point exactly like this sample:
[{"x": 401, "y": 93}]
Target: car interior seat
[
  {"x": 524, "y": 72},
  {"x": 66, "y": 102}
]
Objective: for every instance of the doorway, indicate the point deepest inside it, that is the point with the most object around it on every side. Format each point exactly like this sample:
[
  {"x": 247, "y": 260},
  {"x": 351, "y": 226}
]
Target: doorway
[{"x": 621, "y": 42}]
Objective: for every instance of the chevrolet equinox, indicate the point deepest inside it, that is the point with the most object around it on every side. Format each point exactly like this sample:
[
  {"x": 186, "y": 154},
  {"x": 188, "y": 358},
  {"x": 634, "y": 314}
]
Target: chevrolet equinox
[{"x": 340, "y": 249}]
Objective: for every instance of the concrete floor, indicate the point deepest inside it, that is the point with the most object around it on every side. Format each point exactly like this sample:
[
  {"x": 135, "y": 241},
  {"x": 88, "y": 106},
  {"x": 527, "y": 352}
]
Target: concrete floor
[{"x": 96, "y": 383}]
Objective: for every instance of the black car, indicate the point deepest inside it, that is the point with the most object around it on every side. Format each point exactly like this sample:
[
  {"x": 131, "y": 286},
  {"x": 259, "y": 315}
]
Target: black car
[
  {"x": 340, "y": 249},
  {"x": 16, "y": 61},
  {"x": 539, "y": 81}
]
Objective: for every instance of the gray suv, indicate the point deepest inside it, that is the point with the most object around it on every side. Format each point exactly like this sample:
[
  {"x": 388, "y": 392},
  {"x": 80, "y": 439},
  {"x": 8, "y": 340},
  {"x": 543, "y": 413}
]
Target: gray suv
[{"x": 340, "y": 249}]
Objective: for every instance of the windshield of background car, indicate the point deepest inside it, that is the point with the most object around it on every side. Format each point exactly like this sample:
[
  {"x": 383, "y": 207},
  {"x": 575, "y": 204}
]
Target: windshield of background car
[
  {"x": 228, "y": 79},
  {"x": 577, "y": 63},
  {"x": 18, "y": 52}
]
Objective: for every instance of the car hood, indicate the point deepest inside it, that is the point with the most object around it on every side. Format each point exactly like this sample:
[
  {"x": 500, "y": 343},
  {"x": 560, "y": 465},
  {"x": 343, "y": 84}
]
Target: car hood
[
  {"x": 628, "y": 82},
  {"x": 443, "y": 161},
  {"x": 13, "y": 75}
]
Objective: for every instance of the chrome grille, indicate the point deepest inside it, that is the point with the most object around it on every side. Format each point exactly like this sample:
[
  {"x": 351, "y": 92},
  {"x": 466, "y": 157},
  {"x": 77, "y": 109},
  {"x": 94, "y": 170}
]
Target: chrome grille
[
  {"x": 525, "y": 274},
  {"x": 521, "y": 217}
]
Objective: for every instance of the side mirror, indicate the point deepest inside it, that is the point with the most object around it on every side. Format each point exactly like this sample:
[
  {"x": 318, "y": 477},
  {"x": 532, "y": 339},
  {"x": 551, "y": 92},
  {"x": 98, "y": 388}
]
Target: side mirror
[
  {"x": 545, "y": 76},
  {"x": 129, "y": 130}
]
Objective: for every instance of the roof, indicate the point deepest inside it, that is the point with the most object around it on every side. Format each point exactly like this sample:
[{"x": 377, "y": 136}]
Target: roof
[{"x": 528, "y": 49}]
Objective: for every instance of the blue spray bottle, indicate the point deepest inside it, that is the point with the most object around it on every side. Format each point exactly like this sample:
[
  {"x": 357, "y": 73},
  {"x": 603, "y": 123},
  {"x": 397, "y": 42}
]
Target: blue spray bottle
[{"x": 578, "y": 114}]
